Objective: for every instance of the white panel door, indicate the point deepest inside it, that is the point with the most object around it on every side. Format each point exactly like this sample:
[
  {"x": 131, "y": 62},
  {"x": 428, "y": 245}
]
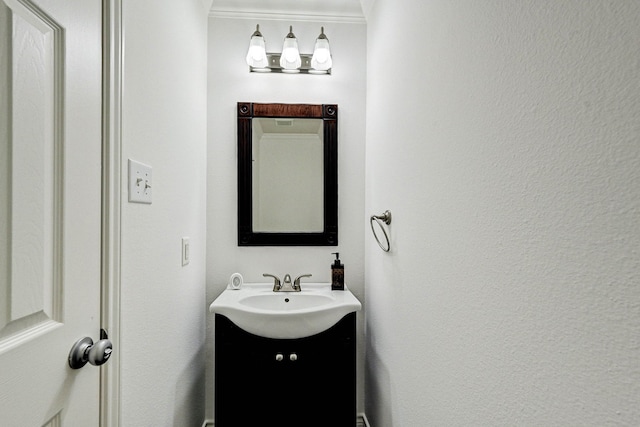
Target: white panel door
[{"x": 50, "y": 211}]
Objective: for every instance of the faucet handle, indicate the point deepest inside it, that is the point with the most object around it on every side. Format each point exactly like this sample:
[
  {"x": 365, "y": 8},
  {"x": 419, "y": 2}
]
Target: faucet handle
[
  {"x": 296, "y": 282},
  {"x": 276, "y": 281}
]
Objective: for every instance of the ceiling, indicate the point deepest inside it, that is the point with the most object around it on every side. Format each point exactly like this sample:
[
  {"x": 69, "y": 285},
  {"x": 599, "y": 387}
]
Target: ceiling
[{"x": 326, "y": 10}]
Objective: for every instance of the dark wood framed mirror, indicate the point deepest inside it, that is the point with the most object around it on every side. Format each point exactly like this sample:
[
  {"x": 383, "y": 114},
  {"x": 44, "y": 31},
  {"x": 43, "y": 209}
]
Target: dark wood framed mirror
[{"x": 287, "y": 174}]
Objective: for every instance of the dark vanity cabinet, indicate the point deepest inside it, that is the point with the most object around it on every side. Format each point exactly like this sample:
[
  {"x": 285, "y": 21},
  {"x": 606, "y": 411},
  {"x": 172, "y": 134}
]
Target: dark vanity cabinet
[{"x": 308, "y": 381}]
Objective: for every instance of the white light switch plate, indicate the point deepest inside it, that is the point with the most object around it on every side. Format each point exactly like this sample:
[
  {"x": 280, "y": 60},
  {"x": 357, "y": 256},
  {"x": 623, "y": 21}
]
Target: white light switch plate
[
  {"x": 140, "y": 190},
  {"x": 185, "y": 251}
]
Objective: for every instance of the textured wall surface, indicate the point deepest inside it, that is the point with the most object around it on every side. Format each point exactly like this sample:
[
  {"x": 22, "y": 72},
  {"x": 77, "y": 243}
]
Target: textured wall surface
[
  {"x": 164, "y": 125},
  {"x": 229, "y": 83},
  {"x": 508, "y": 150}
]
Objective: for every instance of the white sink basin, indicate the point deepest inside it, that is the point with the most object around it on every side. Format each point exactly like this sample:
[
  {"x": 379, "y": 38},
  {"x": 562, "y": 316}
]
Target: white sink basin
[
  {"x": 282, "y": 302},
  {"x": 260, "y": 311}
]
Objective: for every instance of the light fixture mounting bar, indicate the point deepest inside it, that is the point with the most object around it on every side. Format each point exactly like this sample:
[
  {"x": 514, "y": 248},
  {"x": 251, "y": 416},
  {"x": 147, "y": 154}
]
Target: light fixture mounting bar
[{"x": 273, "y": 61}]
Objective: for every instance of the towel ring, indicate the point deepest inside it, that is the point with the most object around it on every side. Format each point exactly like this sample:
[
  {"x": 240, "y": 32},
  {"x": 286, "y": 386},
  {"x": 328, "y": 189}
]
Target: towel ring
[{"x": 379, "y": 219}]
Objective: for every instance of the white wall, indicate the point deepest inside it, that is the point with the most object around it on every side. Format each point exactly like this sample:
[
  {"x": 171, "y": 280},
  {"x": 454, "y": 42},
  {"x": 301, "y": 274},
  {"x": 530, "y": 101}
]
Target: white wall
[
  {"x": 164, "y": 125},
  {"x": 507, "y": 147},
  {"x": 229, "y": 83}
]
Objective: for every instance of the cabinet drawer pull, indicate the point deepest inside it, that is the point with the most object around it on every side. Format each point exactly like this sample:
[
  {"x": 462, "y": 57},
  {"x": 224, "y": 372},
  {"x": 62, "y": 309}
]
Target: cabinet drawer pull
[
  {"x": 279, "y": 357},
  {"x": 293, "y": 357}
]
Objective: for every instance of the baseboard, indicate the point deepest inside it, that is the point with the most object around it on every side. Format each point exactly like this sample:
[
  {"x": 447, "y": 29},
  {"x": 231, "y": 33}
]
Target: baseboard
[{"x": 361, "y": 422}]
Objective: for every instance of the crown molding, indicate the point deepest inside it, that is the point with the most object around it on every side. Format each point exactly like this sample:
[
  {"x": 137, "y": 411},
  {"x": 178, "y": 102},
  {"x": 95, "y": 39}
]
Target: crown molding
[{"x": 286, "y": 16}]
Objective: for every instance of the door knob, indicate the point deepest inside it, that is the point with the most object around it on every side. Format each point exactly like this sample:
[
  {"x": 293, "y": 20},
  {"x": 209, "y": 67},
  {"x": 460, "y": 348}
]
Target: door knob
[{"x": 84, "y": 350}]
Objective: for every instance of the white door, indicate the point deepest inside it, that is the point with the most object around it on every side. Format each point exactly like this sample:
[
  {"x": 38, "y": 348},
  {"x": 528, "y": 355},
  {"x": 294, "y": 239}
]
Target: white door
[{"x": 50, "y": 209}]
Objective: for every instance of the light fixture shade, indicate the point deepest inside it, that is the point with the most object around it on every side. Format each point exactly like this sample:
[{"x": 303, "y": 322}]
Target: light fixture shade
[
  {"x": 257, "y": 53},
  {"x": 321, "y": 59},
  {"x": 290, "y": 57}
]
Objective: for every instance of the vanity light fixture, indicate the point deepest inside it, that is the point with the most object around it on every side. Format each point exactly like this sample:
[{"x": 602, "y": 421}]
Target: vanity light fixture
[
  {"x": 290, "y": 60},
  {"x": 321, "y": 59},
  {"x": 257, "y": 54}
]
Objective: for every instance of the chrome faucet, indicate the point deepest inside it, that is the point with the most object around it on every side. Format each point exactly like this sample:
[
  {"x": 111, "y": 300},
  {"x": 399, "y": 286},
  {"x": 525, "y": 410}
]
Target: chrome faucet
[
  {"x": 276, "y": 281},
  {"x": 286, "y": 285},
  {"x": 296, "y": 283}
]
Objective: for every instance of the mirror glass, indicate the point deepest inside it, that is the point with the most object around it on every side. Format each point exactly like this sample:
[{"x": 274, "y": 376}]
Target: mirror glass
[{"x": 287, "y": 174}]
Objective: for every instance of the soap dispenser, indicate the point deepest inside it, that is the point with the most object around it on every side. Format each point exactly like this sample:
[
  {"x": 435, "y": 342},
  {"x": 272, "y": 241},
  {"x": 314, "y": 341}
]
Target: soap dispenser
[{"x": 337, "y": 274}]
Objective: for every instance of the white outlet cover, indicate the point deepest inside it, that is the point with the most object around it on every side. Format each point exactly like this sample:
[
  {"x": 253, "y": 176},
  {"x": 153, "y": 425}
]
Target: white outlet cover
[{"x": 140, "y": 182}]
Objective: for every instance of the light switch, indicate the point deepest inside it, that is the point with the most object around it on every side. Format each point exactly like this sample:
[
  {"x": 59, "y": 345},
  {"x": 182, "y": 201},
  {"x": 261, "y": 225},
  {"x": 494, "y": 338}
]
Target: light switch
[
  {"x": 140, "y": 189},
  {"x": 185, "y": 251}
]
